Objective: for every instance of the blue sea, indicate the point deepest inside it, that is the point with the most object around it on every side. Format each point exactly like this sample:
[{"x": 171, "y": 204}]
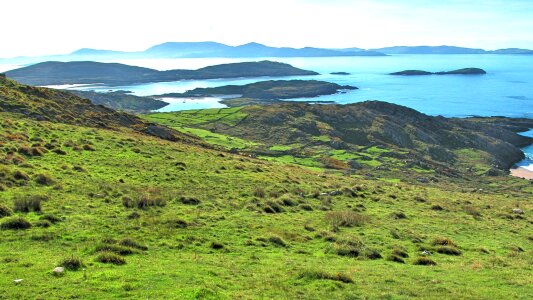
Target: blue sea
[{"x": 506, "y": 89}]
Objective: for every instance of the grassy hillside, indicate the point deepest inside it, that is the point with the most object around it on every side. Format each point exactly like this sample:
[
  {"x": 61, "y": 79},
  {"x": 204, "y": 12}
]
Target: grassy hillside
[
  {"x": 133, "y": 216},
  {"x": 371, "y": 139}
]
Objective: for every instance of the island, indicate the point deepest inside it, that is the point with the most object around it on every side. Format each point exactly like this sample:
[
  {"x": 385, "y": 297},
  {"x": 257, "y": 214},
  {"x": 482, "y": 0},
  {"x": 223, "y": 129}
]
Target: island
[
  {"x": 465, "y": 71},
  {"x": 90, "y": 72},
  {"x": 339, "y": 73},
  {"x": 264, "y": 92},
  {"x": 121, "y": 101}
]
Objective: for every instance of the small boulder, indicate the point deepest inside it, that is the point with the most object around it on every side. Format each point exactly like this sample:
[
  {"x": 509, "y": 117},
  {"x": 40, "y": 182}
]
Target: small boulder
[
  {"x": 58, "y": 271},
  {"x": 518, "y": 211}
]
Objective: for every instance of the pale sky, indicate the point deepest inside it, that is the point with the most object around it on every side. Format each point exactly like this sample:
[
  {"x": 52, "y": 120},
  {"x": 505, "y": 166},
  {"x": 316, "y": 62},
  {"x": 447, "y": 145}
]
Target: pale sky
[{"x": 38, "y": 27}]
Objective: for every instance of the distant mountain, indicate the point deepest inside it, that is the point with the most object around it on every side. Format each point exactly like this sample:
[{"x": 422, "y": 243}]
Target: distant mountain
[
  {"x": 512, "y": 51},
  {"x": 429, "y": 50},
  {"x": 88, "y": 72},
  {"x": 212, "y": 49},
  {"x": 447, "y": 50}
]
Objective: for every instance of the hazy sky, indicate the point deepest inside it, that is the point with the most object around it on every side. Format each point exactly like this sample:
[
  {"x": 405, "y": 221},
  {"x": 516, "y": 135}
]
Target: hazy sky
[{"x": 36, "y": 27}]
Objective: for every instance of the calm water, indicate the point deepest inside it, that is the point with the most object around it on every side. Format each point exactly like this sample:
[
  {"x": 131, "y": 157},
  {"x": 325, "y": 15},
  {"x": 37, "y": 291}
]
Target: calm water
[{"x": 507, "y": 89}]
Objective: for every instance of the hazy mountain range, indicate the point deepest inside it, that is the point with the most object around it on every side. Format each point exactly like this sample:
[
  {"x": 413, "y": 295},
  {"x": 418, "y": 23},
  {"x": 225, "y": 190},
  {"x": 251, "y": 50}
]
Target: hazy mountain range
[{"x": 250, "y": 50}]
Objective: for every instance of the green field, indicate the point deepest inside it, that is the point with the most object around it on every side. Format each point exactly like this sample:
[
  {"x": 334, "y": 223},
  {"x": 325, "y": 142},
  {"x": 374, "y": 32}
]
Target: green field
[{"x": 254, "y": 230}]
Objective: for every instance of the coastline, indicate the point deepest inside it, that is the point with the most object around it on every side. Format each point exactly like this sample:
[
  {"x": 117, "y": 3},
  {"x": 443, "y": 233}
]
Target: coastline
[{"x": 522, "y": 173}]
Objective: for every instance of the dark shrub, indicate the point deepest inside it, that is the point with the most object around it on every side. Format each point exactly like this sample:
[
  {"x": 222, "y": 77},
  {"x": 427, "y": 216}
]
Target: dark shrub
[
  {"x": 259, "y": 193},
  {"x": 286, "y": 200},
  {"x": 399, "y": 215},
  {"x": 88, "y": 147},
  {"x": 15, "y": 223},
  {"x": 424, "y": 261},
  {"x": 277, "y": 241},
  {"x": 43, "y": 223},
  {"x": 129, "y": 242},
  {"x": 448, "y": 250},
  {"x": 306, "y": 207},
  {"x": 72, "y": 263},
  {"x": 19, "y": 175},
  {"x": 178, "y": 223},
  {"x": 110, "y": 258},
  {"x": 396, "y": 258},
  {"x": 322, "y": 275},
  {"x": 51, "y": 218},
  {"x": 216, "y": 245},
  {"x": 115, "y": 249},
  {"x": 372, "y": 254},
  {"x": 143, "y": 202},
  {"x": 59, "y": 151},
  {"x": 79, "y": 169},
  {"x": 28, "y": 203},
  {"x": 351, "y": 248},
  {"x": 400, "y": 252},
  {"x": 189, "y": 200},
  {"x": 44, "y": 179},
  {"x": 437, "y": 207},
  {"x": 346, "y": 218},
  {"x": 5, "y": 211},
  {"x": 133, "y": 215},
  {"x": 147, "y": 201},
  {"x": 272, "y": 207},
  {"x": 442, "y": 241}
]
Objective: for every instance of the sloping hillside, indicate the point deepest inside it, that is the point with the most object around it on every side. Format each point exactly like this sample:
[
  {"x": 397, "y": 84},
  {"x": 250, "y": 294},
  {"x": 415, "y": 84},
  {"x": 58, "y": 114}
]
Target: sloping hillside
[
  {"x": 352, "y": 132},
  {"x": 127, "y": 215},
  {"x": 45, "y": 104}
]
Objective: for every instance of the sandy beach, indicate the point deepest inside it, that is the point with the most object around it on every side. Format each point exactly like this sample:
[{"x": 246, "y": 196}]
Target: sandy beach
[{"x": 522, "y": 173}]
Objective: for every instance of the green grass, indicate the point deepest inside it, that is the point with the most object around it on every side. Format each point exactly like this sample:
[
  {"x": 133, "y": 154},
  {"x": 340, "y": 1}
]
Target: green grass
[
  {"x": 175, "y": 258},
  {"x": 218, "y": 139}
]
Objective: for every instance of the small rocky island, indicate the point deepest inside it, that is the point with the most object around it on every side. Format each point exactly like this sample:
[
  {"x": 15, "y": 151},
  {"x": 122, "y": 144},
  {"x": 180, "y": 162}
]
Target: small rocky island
[
  {"x": 265, "y": 92},
  {"x": 339, "y": 73},
  {"x": 465, "y": 71}
]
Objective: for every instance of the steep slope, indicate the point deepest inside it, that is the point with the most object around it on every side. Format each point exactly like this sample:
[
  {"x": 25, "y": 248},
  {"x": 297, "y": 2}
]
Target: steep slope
[
  {"x": 88, "y": 72},
  {"x": 45, "y": 104}
]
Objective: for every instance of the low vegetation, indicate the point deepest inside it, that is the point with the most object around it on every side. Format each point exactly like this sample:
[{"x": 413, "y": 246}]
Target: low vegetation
[{"x": 327, "y": 234}]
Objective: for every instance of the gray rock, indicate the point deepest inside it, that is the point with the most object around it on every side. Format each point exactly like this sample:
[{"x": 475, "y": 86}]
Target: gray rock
[
  {"x": 58, "y": 271},
  {"x": 518, "y": 211}
]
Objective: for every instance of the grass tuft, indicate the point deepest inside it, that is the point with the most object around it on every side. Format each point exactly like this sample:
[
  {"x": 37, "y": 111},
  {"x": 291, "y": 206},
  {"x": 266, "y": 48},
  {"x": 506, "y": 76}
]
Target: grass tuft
[
  {"x": 72, "y": 263},
  {"x": 15, "y": 223},
  {"x": 107, "y": 257},
  {"x": 346, "y": 218},
  {"x": 323, "y": 275}
]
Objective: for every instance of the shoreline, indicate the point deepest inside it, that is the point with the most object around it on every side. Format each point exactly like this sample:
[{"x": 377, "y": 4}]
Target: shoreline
[{"x": 522, "y": 173}]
